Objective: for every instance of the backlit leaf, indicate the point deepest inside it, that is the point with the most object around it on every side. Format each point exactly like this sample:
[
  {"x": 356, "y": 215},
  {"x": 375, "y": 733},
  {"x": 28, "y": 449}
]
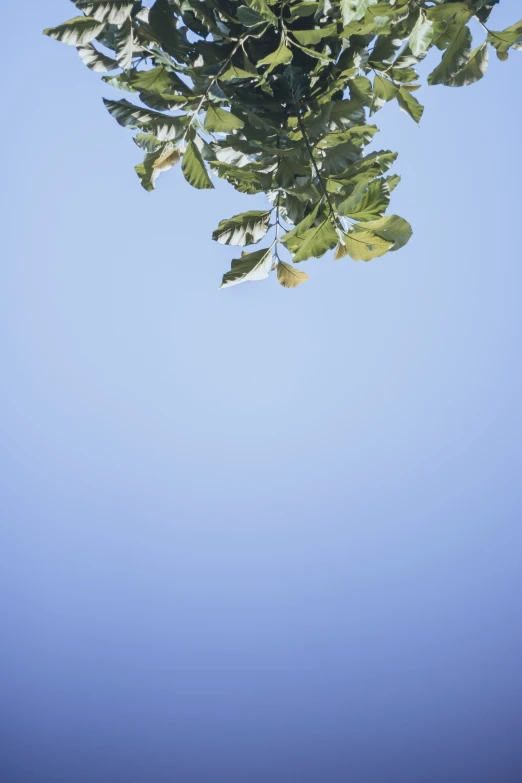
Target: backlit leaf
[
  {"x": 289, "y": 276},
  {"x": 220, "y": 120}
]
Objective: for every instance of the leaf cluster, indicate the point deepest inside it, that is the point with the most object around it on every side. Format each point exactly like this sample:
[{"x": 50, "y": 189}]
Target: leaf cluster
[{"x": 275, "y": 97}]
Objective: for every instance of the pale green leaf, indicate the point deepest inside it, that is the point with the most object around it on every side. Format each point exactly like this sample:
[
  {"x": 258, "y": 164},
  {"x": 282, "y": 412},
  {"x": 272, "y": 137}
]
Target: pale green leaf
[
  {"x": 313, "y": 242},
  {"x": 362, "y": 245},
  {"x": 503, "y": 40},
  {"x": 367, "y": 201},
  {"x": 221, "y": 121},
  {"x": 392, "y": 228}
]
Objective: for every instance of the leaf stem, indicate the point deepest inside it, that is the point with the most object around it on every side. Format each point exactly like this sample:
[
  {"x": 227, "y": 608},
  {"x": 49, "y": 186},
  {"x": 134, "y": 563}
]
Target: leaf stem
[
  {"x": 212, "y": 82},
  {"x": 318, "y": 173}
]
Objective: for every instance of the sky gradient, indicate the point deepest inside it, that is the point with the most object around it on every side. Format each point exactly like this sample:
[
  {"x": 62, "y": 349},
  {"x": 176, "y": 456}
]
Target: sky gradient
[{"x": 256, "y": 534}]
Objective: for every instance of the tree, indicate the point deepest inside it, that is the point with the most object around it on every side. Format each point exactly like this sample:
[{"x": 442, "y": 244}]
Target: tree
[{"x": 274, "y": 96}]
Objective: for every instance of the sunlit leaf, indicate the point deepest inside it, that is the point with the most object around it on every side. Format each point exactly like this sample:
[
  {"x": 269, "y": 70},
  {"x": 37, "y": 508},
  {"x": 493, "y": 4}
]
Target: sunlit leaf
[
  {"x": 248, "y": 228},
  {"x": 76, "y": 32},
  {"x": 251, "y": 266}
]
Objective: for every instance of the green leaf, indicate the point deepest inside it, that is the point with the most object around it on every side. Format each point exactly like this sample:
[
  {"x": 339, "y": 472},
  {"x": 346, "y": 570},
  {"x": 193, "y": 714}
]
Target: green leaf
[
  {"x": 281, "y": 56},
  {"x": 339, "y": 158},
  {"x": 362, "y": 245},
  {"x": 128, "y": 115},
  {"x": 459, "y": 13},
  {"x": 473, "y": 70},
  {"x": 289, "y": 276},
  {"x": 353, "y": 10},
  {"x": 505, "y": 39},
  {"x": 147, "y": 142},
  {"x": 220, "y": 120},
  {"x": 315, "y": 241},
  {"x": 154, "y": 164},
  {"x": 248, "y": 228},
  {"x": 392, "y": 228},
  {"x": 421, "y": 36},
  {"x": 345, "y": 114},
  {"x": 124, "y": 45},
  {"x": 194, "y": 169},
  {"x": 453, "y": 59},
  {"x": 106, "y": 11},
  {"x": 315, "y": 36},
  {"x": 367, "y": 201},
  {"x": 261, "y": 8},
  {"x": 356, "y": 134},
  {"x": 165, "y": 127},
  {"x": 76, "y": 32},
  {"x": 163, "y": 26},
  {"x": 287, "y": 170},
  {"x": 248, "y": 17},
  {"x": 409, "y": 104},
  {"x": 303, "y": 9},
  {"x": 251, "y": 266},
  {"x": 158, "y": 80},
  {"x": 383, "y": 91},
  {"x": 295, "y": 83},
  {"x": 95, "y": 60},
  {"x": 233, "y": 73}
]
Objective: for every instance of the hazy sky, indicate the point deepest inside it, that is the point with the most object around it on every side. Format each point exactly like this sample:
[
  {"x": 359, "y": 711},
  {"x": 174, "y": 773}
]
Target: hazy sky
[{"x": 255, "y": 534}]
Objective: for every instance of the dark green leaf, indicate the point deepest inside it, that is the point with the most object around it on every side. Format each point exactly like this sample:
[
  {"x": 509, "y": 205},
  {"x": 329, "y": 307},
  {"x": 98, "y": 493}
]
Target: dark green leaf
[
  {"x": 248, "y": 228},
  {"x": 251, "y": 266},
  {"x": 453, "y": 59},
  {"x": 409, "y": 104},
  {"x": 76, "y": 32},
  {"x": 194, "y": 169}
]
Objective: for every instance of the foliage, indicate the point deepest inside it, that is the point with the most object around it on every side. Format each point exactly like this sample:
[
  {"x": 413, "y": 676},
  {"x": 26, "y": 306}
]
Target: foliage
[{"x": 274, "y": 97}]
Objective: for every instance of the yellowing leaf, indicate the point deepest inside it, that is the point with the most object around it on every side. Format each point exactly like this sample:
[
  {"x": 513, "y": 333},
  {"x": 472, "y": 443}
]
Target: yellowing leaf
[{"x": 289, "y": 276}]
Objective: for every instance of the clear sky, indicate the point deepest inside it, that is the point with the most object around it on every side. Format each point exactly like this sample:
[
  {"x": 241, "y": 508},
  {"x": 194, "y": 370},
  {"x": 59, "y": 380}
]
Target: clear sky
[{"x": 255, "y": 534}]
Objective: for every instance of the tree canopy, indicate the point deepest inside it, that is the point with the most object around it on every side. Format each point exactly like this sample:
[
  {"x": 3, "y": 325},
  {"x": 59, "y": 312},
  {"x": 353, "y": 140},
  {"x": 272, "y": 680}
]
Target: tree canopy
[{"x": 276, "y": 97}]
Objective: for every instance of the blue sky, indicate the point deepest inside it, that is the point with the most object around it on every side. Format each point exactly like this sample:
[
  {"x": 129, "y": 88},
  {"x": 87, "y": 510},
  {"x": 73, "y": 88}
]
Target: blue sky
[{"x": 256, "y": 534}]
